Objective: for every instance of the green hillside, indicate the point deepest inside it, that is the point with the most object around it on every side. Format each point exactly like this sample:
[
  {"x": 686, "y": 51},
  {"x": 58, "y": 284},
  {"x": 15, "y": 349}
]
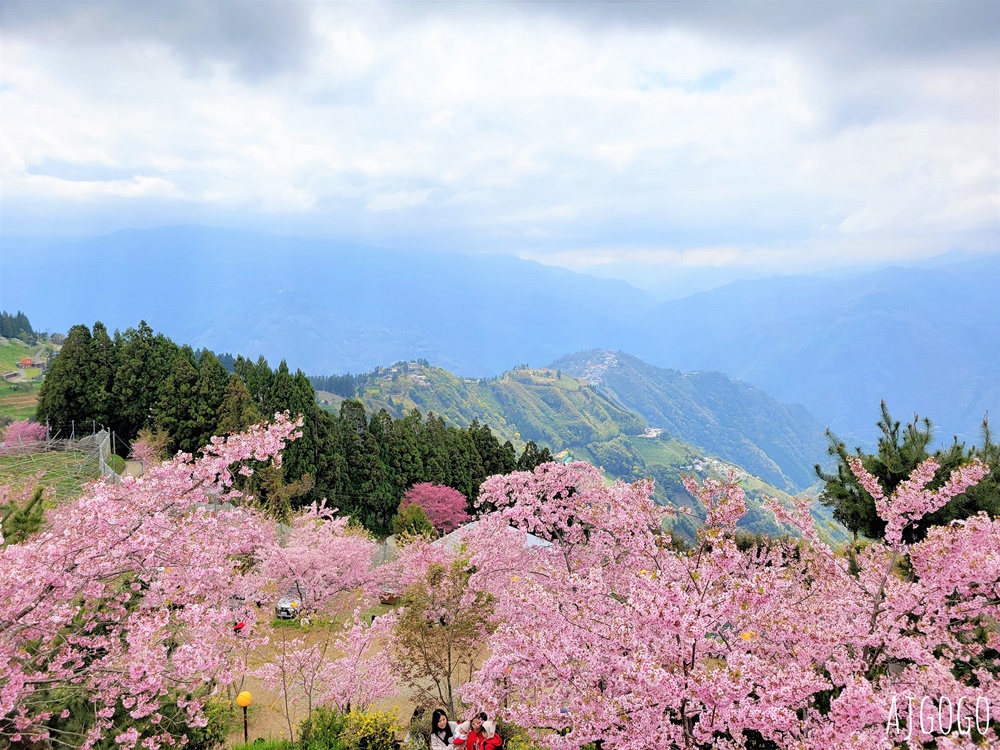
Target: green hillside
[
  {"x": 18, "y": 396},
  {"x": 521, "y": 405},
  {"x": 723, "y": 417},
  {"x": 576, "y": 421}
]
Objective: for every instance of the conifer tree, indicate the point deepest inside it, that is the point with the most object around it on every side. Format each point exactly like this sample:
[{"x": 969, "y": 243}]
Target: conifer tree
[
  {"x": 238, "y": 410},
  {"x": 65, "y": 393},
  {"x": 209, "y": 392},
  {"x": 533, "y": 456},
  {"x": 177, "y": 409},
  {"x": 101, "y": 378},
  {"x": 144, "y": 362},
  {"x": 900, "y": 451}
]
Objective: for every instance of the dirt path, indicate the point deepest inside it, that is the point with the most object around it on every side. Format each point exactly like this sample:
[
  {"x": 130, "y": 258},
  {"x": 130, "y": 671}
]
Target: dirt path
[{"x": 266, "y": 716}]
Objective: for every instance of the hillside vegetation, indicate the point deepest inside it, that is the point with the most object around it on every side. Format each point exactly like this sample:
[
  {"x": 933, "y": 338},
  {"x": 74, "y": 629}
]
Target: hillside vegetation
[
  {"x": 545, "y": 406},
  {"x": 778, "y": 442},
  {"x": 577, "y": 420}
]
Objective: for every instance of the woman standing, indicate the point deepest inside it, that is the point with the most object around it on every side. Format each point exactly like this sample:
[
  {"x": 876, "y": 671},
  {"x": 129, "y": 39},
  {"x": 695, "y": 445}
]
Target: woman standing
[{"x": 442, "y": 731}]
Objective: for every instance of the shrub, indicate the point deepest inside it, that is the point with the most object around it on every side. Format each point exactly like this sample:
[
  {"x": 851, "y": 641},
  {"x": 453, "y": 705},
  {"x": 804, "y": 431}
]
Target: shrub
[
  {"x": 322, "y": 730},
  {"x": 328, "y": 729},
  {"x": 370, "y": 730},
  {"x": 411, "y": 522}
]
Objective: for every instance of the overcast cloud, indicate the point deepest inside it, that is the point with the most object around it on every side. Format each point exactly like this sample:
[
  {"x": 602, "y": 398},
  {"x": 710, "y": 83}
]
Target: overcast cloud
[{"x": 643, "y": 136}]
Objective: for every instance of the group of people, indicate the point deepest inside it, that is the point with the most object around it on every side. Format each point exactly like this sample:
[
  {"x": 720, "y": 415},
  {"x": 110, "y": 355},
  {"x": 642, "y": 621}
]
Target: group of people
[{"x": 478, "y": 733}]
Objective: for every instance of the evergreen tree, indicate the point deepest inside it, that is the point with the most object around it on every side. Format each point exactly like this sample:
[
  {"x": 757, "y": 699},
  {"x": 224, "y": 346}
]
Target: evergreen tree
[
  {"x": 177, "y": 409},
  {"x": 21, "y": 520},
  {"x": 350, "y": 464},
  {"x": 257, "y": 378},
  {"x": 300, "y": 458},
  {"x": 434, "y": 451},
  {"x": 238, "y": 410},
  {"x": 101, "y": 378},
  {"x": 65, "y": 395},
  {"x": 17, "y": 327},
  {"x": 380, "y": 491},
  {"x": 533, "y": 456},
  {"x": 144, "y": 362},
  {"x": 899, "y": 452},
  {"x": 209, "y": 393},
  {"x": 406, "y": 461}
]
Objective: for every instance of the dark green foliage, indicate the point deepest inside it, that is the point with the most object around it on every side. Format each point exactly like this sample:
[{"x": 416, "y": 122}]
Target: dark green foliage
[
  {"x": 17, "y": 327},
  {"x": 19, "y": 521},
  {"x": 65, "y": 395},
  {"x": 257, "y": 377},
  {"x": 899, "y": 452},
  {"x": 101, "y": 375},
  {"x": 237, "y": 410},
  {"x": 177, "y": 410},
  {"x": 144, "y": 362},
  {"x": 342, "y": 385},
  {"x": 532, "y": 456}
]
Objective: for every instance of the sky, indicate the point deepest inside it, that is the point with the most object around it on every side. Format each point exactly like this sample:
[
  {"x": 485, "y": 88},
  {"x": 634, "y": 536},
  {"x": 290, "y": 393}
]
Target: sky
[{"x": 637, "y": 140}]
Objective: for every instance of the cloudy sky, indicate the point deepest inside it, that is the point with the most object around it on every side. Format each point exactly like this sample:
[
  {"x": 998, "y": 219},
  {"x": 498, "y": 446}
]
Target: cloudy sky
[{"x": 627, "y": 138}]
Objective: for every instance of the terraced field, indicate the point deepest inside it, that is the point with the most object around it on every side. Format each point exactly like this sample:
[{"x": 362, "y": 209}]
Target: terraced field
[{"x": 17, "y": 400}]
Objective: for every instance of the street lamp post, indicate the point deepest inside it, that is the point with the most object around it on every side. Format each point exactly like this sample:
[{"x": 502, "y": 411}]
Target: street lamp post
[{"x": 243, "y": 700}]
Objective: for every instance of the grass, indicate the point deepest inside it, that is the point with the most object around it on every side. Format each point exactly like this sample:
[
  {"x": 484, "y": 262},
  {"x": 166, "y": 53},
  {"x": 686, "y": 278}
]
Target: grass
[
  {"x": 262, "y": 744},
  {"x": 18, "y": 400},
  {"x": 66, "y": 471},
  {"x": 11, "y": 353}
]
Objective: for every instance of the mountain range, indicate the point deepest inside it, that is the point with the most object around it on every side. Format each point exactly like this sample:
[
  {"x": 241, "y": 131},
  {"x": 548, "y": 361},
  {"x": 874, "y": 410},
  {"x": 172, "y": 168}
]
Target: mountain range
[
  {"x": 919, "y": 338},
  {"x": 584, "y": 418}
]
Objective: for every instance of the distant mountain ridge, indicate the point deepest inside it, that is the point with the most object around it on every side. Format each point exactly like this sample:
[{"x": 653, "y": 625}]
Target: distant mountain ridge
[
  {"x": 921, "y": 339},
  {"x": 600, "y": 396},
  {"x": 578, "y": 420},
  {"x": 739, "y": 423},
  {"x": 520, "y": 405}
]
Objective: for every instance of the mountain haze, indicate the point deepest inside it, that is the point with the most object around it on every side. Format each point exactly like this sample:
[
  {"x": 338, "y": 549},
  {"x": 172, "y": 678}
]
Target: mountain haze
[{"x": 919, "y": 338}]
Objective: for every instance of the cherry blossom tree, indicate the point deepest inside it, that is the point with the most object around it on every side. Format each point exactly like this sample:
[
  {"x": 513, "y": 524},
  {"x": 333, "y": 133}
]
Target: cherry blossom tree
[
  {"x": 444, "y": 506},
  {"x": 328, "y": 564},
  {"x": 610, "y": 635},
  {"x": 124, "y": 599},
  {"x": 21, "y": 433}
]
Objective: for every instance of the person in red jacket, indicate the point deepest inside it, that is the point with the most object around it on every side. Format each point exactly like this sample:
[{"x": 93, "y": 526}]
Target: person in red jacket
[{"x": 479, "y": 733}]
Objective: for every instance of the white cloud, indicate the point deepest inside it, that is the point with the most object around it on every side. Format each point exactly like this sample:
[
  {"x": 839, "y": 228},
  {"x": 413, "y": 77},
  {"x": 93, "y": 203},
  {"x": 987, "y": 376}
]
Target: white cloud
[{"x": 492, "y": 126}]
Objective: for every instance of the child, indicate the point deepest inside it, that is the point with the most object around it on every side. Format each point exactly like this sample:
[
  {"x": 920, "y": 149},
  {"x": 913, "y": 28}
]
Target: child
[{"x": 479, "y": 733}]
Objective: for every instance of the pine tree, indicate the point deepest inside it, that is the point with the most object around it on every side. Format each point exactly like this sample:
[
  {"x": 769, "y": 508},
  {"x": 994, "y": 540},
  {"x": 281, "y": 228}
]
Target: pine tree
[{"x": 899, "y": 452}]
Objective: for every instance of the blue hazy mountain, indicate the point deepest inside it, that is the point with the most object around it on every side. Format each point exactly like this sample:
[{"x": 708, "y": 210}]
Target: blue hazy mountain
[
  {"x": 923, "y": 339},
  {"x": 926, "y": 341}
]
